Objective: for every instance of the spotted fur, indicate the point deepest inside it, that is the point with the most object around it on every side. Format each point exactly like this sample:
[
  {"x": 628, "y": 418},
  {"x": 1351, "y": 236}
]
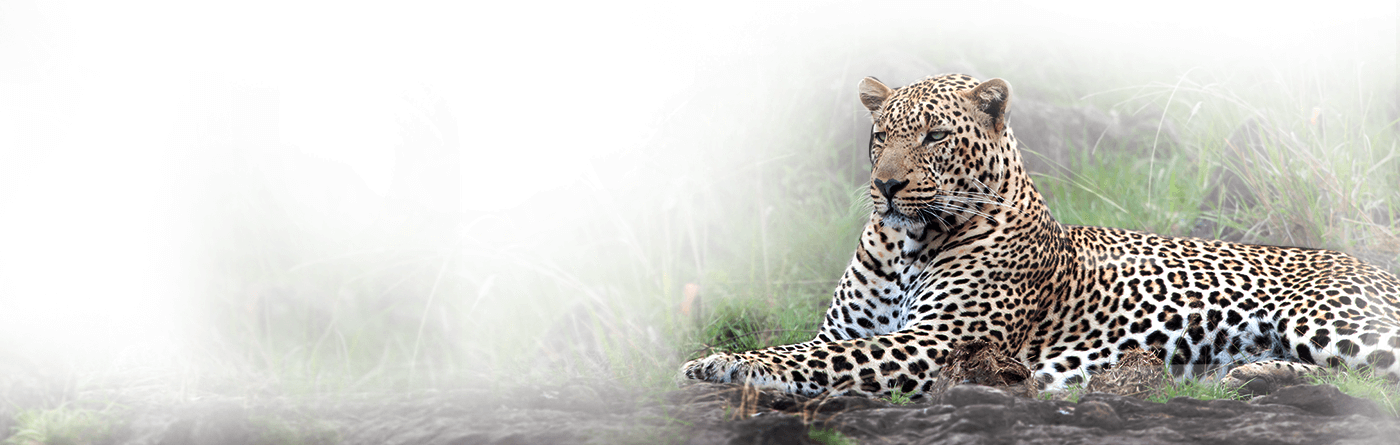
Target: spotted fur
[{"x": 961, "y": 246}]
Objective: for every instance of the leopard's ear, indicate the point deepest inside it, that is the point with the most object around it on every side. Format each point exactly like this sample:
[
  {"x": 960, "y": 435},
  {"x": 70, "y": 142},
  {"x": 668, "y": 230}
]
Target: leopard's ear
[
  {"x": 872, "y": 94},
  {"x": 992, "y": 98}
]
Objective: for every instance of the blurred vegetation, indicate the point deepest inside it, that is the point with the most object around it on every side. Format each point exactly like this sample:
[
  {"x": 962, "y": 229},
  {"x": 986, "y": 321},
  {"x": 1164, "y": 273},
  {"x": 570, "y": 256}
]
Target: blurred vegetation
[
  {"x": 752, "y": 202},
  {"x": 63, "y": 425}
]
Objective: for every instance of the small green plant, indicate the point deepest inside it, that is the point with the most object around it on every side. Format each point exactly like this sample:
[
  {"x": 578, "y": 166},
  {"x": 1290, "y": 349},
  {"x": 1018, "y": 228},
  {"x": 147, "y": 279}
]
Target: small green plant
[
  {"x": 828, "y": 436},
  {"x": 899, "y": 397},
  {"x": 60, "y": 426},
  {"x": 1070, "y": 393}
]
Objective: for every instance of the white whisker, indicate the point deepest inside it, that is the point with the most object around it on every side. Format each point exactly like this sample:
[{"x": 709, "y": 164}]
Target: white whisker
[
  {"x": 966, "y": 209},
  {"x": 971, "y": 200}
]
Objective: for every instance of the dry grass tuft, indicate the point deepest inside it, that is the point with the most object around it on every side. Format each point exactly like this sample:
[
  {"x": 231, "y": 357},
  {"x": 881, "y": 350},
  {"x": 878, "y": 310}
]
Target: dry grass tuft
[
  {"x": 977, "y": 362},
  {"x": 1137, "y": 374}
]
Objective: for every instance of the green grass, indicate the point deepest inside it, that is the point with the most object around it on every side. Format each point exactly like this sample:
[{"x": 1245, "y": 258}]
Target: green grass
[
  {"x": 1195, "y": 388},
  {"x": 1109, "y": 190},
  {"x": 1365, "y": 384},
  {"x": 829, "y": 437},
  {"x": 741, "y": 324}
]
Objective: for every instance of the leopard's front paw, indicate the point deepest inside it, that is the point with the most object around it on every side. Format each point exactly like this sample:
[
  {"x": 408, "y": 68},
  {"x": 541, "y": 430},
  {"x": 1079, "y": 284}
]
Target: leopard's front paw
[
  {"x": 1260, "y": 378},
  {"x": 719, "y": 368}
]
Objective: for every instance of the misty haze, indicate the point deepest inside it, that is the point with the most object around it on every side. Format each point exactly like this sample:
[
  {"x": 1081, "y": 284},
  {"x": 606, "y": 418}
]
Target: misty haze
[{"x": 319, "y": 222}]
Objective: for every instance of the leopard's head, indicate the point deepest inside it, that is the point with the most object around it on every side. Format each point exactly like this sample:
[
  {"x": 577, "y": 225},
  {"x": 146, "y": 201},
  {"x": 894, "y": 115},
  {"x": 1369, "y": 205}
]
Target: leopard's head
[{"x": 940, "y": 149}]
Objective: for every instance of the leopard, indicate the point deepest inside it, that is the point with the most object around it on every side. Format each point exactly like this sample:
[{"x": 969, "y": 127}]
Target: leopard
[{"x": 960, "y": 246}]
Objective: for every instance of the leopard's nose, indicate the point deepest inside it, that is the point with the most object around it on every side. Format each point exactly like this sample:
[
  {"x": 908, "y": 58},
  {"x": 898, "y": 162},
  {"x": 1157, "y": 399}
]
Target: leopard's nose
[{"x": 888, "y": 188}]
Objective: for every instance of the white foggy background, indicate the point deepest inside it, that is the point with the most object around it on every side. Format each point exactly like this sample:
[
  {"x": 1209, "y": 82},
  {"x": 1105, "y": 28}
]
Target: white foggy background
[{"x": 114, "y": 114}]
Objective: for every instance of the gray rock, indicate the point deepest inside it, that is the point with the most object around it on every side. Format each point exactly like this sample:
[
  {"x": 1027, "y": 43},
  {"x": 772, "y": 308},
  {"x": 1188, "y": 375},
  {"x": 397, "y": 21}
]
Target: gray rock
[
  {"x": 1326, "y": 400},
  {"x": 769, "y": 429},
  {"x": 964, "y": 395},
  {"x": 1094, "y": 414}
]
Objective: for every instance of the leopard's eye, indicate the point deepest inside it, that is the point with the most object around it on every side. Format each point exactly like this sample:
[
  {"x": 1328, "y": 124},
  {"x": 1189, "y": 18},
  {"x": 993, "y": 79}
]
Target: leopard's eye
[
  {"x": 935, "y": 136},
  {"x": 880, "y": 136}
]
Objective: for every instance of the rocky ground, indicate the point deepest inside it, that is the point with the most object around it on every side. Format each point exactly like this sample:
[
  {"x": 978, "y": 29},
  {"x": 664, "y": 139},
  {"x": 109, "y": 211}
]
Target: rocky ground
[
  {"x": 704, "y": 413},
  {"x": 977, "y": 414},
  {"x": 1009, "y": 411}
]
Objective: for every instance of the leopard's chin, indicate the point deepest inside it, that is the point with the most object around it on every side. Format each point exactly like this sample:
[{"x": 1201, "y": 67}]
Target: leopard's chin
[
  {"x": 896, "y": 220},
  {"x": 928, "y": 219}
]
